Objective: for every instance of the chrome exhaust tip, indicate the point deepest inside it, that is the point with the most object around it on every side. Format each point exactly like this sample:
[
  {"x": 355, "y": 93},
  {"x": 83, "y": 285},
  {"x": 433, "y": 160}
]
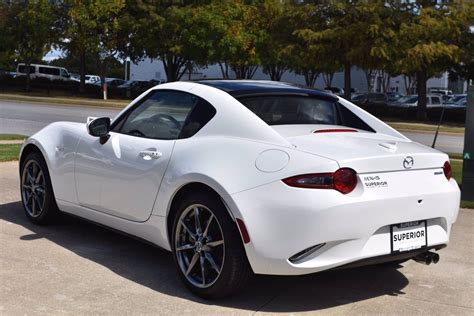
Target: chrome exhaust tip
[{"x": 427, "y": 258}]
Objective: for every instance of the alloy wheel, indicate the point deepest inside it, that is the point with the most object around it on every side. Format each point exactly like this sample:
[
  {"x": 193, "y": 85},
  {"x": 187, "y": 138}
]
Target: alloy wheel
[
  {"x": 33, "y": 188},
  {"x": 199, "y": 246}
]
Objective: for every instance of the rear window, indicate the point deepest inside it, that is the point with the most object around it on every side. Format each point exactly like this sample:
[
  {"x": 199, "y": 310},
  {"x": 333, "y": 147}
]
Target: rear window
[
  {"x": 281, "y": 110},
  {"x": 286, "y": 110}
]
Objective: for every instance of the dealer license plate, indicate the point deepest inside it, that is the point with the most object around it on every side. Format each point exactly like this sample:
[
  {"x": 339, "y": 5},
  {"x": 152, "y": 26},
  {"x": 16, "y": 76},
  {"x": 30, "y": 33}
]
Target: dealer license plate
[{"x": 408, "y": 236}]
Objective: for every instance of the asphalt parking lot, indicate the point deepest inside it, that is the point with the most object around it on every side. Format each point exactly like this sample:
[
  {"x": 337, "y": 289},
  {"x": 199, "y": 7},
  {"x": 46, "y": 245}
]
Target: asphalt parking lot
[{"x": 78, "y": 268}]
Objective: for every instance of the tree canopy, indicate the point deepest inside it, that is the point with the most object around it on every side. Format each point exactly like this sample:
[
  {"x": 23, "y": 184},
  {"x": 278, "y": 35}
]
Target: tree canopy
[{"x": 418, "y": 39}]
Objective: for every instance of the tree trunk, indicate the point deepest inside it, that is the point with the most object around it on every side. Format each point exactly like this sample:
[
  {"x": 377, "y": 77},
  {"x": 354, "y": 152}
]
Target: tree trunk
[
  {"x": 421, "y": 78},
  {"x": 310, "y": 77},
  {"x": 368, "y": 77},
  {"x": 224, "y": 70},
  {"x": 82, "y": 71},
  {"x": 275, "y": 72},
  {"x": 328, "y": 76},
  {"x": 174, "y": 67},
  {"x": 347, "y": 81}
]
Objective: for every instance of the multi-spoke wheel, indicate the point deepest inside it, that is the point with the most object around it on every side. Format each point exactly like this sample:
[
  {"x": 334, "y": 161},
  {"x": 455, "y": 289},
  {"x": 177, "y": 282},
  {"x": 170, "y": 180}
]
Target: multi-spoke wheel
[
  {"x": 207, "y": 247},
  {"x": 36, "y": 191}
]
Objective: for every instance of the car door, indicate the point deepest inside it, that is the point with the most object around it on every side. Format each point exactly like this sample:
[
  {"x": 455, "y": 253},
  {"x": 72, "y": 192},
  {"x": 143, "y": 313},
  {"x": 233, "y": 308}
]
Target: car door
[{"x": 121, "y": 176}]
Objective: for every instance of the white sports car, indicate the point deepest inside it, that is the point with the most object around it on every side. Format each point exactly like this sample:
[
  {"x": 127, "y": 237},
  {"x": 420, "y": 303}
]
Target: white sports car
[{"x": 242, "y": 177}]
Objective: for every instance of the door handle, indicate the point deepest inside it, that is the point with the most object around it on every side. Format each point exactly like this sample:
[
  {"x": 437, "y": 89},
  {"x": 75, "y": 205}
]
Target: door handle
[{"x": 150, "y": 155}]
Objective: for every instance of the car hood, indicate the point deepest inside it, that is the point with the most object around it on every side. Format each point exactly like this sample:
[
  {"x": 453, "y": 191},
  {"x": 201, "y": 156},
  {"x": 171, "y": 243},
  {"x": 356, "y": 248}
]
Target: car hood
[{"x": 362, "y": 151}]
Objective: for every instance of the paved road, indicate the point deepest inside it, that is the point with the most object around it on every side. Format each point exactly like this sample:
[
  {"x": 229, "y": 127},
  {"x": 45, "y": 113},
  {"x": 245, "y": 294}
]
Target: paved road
[
  {"x": 77, "y": 268},
  {"x": 27, "y": 119}
]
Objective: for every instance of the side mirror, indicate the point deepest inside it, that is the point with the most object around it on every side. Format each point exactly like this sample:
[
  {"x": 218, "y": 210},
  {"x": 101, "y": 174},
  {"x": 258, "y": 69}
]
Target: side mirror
[{"x": 98, "y": 127}]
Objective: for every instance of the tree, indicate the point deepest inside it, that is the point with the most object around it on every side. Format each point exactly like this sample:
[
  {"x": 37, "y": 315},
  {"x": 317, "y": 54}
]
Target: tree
[
  {"x": 7, "y": 51},
  {"x": 273, "y": 48},
  {"x": 32, "y": 27},
  {"x": 82, "y": 23},
  {"x": 431, "y": 36},
  {"x": 309, "y": 49},
  {"x": 465, "y": 68},
  {"x": 228, "y": 33}
]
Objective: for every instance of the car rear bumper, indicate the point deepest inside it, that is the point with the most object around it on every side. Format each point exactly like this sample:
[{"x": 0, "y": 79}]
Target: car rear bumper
[{"x": 283, "y": 221}]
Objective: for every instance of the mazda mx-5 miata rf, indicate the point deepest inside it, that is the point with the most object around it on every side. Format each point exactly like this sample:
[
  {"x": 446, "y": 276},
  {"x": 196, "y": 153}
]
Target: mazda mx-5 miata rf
[{"x": 242, "y": 177}]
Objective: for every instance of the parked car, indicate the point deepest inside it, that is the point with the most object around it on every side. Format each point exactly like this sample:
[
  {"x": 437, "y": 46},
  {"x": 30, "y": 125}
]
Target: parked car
[
  {"x": 432, "y": 101},
  {"x": 111, "y": 82},
  {"x": 335, "y": 90},
  {"x": 455, "y": 98},
  {"x": 134, "y": 88},
  {"x": 242, "y": 177},
  {"x": 44, "y": 71},
  {"x": 460, "y": 103},
  {"x": 371, "y": 98},
  {"x": 75, "y": 77},
  {"x": 92, "y": 79},
  {"x": 393, "y": 96}
]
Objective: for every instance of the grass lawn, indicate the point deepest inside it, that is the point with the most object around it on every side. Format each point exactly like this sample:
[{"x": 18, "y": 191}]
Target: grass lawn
[
  {"x": 457, "y": 169},
  {"x": 9, "y": 152},
  {"x": 63, "y": 100},
  {"x": 421, "y": 127},
  {"x": 12, "y": 137}
]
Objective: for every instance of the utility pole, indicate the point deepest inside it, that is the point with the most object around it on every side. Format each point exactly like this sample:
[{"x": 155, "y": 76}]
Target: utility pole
[{"x": 468, "y": 155}]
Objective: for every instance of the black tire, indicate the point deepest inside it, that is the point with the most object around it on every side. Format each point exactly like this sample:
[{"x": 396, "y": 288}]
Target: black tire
[
  {"x": 49, "y": 211},
  {"x": 235, "y": 269}
]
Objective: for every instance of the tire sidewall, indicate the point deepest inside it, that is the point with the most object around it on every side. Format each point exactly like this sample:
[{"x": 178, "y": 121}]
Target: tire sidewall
[
  {"x": 232, "y": 244},
  {"x": 50, "y": 207}
]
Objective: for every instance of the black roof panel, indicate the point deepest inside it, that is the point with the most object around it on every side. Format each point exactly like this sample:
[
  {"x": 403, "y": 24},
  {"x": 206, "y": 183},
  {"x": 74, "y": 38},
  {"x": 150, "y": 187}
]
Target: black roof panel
[{"x": 240, "y": 88}]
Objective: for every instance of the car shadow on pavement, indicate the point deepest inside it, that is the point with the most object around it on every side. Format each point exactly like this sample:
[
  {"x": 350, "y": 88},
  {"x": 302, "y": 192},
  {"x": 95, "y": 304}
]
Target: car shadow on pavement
[{"x": 153, "y": 268}]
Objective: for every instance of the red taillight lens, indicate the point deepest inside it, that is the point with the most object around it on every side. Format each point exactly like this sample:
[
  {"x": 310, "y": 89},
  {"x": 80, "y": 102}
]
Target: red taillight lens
[
  {"x": 448, "y": 171},
  {"x": 343, "y": 180}
]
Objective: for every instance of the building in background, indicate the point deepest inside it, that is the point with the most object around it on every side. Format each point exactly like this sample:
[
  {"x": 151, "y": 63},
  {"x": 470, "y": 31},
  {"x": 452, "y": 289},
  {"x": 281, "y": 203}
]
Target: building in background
[{"x": 149, "y": 69}]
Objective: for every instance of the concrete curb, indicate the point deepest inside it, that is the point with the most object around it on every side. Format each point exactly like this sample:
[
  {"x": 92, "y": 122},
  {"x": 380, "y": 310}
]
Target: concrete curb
[{"x": 11, "y": 142}]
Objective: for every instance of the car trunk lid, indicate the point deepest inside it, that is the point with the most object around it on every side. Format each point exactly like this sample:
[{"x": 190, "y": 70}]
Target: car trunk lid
[{"x": 365, "y": 152}]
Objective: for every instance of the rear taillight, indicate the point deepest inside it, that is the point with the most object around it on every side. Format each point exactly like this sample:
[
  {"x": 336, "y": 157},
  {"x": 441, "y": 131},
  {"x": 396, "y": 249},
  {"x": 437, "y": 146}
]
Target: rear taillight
[
  {"x": 343, "y": 180},
  {"x": 448, "y": 171}
]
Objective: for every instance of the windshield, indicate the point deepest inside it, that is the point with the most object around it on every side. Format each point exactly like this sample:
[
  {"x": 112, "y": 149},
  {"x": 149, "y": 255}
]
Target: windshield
[
  {"x": 409, "y": 99},
  {"x": 280, "y": 110}
]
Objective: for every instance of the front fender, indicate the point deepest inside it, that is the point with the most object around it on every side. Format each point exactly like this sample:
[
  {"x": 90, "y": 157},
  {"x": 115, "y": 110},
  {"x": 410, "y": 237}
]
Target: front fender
[{"x": 57, "y": 143}]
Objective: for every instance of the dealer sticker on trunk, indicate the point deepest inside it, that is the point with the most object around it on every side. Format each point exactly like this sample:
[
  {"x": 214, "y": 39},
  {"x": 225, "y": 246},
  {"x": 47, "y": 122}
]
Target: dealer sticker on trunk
[
  {"x": 374, "y": 181},
  {"x": 408, "y": 236}
]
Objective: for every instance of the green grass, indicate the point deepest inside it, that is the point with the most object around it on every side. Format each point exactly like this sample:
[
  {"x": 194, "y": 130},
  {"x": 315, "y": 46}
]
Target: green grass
[
  {"x": 467, "y": 204},
  {"x": 457, "y": 170},
  {"x": 63, "y": 100},
  {"x": 455, "y": 156},
  {"x": 12, "y": 137},
  {"x": 9, "y": 152},
  {"x": 421, "y": 127}
]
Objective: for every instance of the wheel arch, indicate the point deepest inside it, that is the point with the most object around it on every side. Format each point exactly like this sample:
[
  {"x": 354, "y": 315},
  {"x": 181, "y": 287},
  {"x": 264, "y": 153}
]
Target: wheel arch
[
  {"x": 28, "y": 149},
  {"x": 184, "y": 190}
]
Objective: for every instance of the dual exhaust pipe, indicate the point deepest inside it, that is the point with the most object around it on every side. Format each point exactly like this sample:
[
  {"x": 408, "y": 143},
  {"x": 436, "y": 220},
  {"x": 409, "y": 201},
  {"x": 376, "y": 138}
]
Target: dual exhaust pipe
[{"x": 427, "y": 258}]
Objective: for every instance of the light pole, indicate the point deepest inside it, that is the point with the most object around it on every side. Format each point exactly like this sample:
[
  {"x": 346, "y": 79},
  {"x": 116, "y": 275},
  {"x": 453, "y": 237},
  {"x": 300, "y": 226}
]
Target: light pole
[{"x": 468, "y": 155}]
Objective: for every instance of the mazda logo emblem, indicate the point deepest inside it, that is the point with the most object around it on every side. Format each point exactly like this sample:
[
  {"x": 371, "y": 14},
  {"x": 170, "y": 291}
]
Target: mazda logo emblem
[{"x": 408, "y": 162}]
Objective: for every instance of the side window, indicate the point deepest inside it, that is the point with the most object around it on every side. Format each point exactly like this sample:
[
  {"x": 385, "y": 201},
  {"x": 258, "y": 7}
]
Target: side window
[
  {"x": 202, "y": 113},
  {"x": 161, "y": 115},
  {"x": 23, "y": 69},
  {"x": 349, "y": 119},
  {"x": 435, "y": 100}
]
